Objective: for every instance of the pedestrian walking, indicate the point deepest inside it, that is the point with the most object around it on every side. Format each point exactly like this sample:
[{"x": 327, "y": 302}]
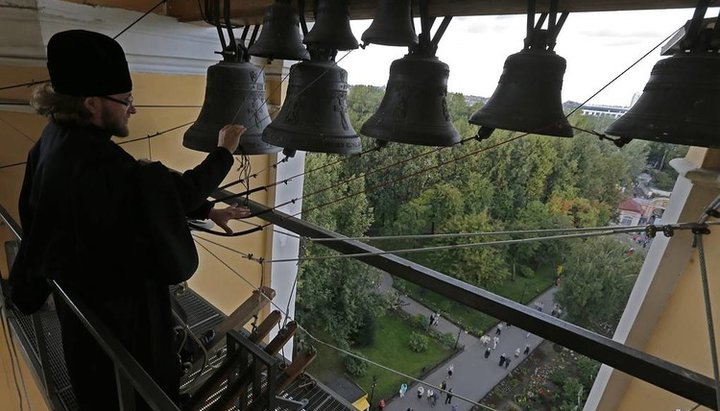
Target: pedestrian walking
[
  {"x": 527, "y": 349},
  {"x": 430, "y": 394},
  {"x": 485, "y": 340},
  {"x": 381, "y": 405},
  {"x": 487, "y": 352},
  {"x": 443, "y": 385},
  {"x": 420, "y": 392},
  {"x": 498, "y": 330},
  {"x": 448, "y": 398},
  {"x": 517, "y": 352},
  {"x": 450, "y": 370},
  {"x": 437, "y": 319},
  {"x": 496, "y": 340},
  {"x": 507, "y": 363},
  {"x": 432, "y": 320},
  {"x": 454, "y": 407},
  {"x": 502, "y": 359},
  {"x": 403, "y": 390},
  {"x": 436, "y": 397}
]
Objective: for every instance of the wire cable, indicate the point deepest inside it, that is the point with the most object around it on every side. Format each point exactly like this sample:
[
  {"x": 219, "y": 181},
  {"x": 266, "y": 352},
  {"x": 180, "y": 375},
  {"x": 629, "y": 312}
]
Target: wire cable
[
  {"x": 458, "y": 246},
  {"x": 8, "y": 337},
  {"x": 157, "y": 133},
  {"x": 366, "y": 190},
  {"x": 708, "y": 314},
  {"x": 622, "y": 73},
  {"x": 34, "y": 82},
  {"x": 17, "y": 129},
  {"x": 139, "y": 18},
  {"x": 338, "y": 349},
  {"x": 401, "y": 178},
  {"x": 287, "y": 180},
  {"x": 460, "y": 235},
  {"x": 13, "y": 165}
]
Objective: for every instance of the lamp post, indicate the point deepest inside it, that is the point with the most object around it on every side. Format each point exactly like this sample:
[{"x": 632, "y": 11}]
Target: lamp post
[{"x": 372, "y": 390}]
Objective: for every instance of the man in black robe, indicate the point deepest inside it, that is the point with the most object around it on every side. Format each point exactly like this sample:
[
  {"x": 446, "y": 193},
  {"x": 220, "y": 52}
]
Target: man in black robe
[{"x": 109, "y": 229}]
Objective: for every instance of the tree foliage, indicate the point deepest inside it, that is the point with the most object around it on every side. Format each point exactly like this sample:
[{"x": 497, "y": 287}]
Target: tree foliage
[
  {"x": 596, "y": 283},
  {"x": 534, "y": 182}
]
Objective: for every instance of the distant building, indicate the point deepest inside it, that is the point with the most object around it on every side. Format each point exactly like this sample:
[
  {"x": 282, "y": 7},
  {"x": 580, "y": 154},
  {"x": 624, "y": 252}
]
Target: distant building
[
  {"x": 630, "y": 212},
  {"x": 635, "y": 211},
  {"x": 472, "y": 100},
  {"x": 604, "y": 111}
]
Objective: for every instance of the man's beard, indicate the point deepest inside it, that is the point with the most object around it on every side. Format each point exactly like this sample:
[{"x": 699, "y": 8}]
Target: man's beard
[{"x": 114, "y": 126}]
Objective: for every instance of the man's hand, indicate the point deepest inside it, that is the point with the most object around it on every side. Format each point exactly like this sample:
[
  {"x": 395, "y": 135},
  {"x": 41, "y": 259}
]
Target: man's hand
[
  {"x": 222, "y": 217},
  {"x": 229, "y": 137}
]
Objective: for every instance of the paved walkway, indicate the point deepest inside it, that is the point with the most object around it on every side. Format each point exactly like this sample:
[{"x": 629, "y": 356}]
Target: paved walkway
[{"x": 473, "y": 376}]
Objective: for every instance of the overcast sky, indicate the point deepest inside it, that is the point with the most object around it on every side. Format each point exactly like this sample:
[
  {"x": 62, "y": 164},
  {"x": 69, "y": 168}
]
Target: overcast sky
[{"x": 597, "y": 47}]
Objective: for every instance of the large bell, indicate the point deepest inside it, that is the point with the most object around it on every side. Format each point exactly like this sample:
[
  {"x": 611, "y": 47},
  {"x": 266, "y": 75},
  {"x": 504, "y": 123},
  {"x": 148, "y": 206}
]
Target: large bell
[
  {"x": 280, "y": 36},
  {"x": 332, "y": 27},
  {"x": 234, "y": 94},
  {"x": 413, "y": 109},
  {"x": 392, "y": 25},
  {"x": 680, "y": 103},
  {"x": 527, "y": 97},
  {"x": 314, "y": 115}
]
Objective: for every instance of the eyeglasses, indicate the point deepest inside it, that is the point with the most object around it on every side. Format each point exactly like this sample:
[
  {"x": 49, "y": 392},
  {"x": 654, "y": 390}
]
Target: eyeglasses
[{"x": 127, "y": 102}]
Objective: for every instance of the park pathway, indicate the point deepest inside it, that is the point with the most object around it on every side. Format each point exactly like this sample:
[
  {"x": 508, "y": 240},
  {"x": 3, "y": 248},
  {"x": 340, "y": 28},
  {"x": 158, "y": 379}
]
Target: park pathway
[{"x": 473, "y": 376}]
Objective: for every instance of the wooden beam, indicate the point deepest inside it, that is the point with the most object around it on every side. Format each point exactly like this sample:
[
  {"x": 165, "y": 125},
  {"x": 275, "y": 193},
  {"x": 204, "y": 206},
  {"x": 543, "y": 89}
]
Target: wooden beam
[{"x": 251, "y": 11}]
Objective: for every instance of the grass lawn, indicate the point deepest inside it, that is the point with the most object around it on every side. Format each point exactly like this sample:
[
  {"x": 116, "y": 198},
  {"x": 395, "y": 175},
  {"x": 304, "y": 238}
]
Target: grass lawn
[
  {"x": 521, "y": 289},
  {"x": 390, "y": 349}
]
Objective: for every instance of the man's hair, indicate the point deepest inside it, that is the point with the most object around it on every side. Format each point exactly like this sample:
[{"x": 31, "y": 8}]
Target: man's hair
[{"x": 61, "y": 108}]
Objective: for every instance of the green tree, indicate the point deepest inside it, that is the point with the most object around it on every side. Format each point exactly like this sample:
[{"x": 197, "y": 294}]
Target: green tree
[
  {"x": 599, "y": 274},
  {"x": 333, "y": 294}
]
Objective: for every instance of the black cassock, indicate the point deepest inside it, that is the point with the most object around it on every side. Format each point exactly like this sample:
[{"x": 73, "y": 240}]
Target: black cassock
[{"x": 112, "y": 231}]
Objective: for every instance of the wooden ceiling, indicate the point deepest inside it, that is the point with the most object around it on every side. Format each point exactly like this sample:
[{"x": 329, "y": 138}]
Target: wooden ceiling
[{"x": 251, "y": 11}]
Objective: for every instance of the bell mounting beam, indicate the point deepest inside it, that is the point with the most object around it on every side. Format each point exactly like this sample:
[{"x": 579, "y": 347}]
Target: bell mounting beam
[{"x": 251, "y": 11}]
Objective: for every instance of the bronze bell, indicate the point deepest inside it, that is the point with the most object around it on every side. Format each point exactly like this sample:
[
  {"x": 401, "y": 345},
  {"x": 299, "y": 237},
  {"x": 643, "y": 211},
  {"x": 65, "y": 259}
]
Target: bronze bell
[
  {"x": 234, "y": 94},
  {"x": 413, "y": 109},
  {"x": 527, "y": 97},
  {"x": 280, "y": 36},
  {"x": 392, "y": 25},
  {"x": 314, "y": 115},
  {"x": 332, "y": 27},
  {"x": 680, "y": 104}
]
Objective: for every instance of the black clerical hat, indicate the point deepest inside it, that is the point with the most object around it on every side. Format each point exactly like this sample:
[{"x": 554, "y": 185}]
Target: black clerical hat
[{"x": 85, "y": 63}]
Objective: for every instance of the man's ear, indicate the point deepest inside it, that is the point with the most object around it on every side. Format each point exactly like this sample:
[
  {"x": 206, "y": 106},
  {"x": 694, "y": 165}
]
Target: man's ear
[{"x": 92, "y": 104}]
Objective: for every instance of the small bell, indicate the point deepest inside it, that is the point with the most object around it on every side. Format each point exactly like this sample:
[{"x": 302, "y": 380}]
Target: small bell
[
  {"x": 392, "y": 25},
  {"x": 280, "y": 35},
  {"x": 332, "y": 27}
]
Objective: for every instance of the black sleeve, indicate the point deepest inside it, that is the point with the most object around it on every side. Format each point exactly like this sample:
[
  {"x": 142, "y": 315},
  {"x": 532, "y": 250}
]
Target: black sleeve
[
  {"x": 201, "y": 212},
  {"x": 195, "y": 185}
]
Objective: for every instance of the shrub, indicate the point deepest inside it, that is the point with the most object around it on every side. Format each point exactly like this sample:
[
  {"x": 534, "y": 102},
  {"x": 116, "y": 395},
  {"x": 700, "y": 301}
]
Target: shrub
[
  {"x": 418, "y": 342},
  {"x": 448, "y": 340},
  {"x": 420, "y": 321},
  {"x": 355, "y": 366}
]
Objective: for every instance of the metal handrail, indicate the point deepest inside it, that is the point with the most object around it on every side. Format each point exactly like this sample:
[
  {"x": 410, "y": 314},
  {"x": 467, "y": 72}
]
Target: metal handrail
[{"x": 128, "y": 372}]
